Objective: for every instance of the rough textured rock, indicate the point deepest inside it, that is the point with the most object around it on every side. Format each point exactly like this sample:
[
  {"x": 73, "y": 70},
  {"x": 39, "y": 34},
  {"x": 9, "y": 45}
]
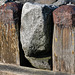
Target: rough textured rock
[
  {"x": 9, "y": 32},
  {"x": 36, "y": 33},
  {"x": 41, "y": 63},
  {"x": 62, "y": 2},
  {"x": 38, "y": 1}
]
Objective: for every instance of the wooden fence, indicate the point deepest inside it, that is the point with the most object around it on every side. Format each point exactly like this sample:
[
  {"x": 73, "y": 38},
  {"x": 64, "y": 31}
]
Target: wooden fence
[{"x": 64, "y": 39}]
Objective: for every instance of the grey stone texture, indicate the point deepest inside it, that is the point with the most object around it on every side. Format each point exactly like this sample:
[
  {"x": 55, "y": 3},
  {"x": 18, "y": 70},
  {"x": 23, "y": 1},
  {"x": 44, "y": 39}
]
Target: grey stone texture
[
  {"x": 36, "y": 33},
  {"x": 42, "y": 63},
  {"x": 62, "y": 2}
]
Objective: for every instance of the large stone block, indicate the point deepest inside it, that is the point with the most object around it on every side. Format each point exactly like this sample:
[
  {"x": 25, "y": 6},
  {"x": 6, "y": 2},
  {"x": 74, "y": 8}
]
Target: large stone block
[
  {"x": 36, "y": 34},
  {"x": 9, "y": 32},
  {"x": 64, "y": 39}
]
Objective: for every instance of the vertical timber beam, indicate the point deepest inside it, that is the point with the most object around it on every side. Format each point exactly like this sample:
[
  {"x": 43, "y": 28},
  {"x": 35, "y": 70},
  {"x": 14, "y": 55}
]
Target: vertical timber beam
[
  {"x": 64, "y": 39},
  {"x": 9, "y": 33}
]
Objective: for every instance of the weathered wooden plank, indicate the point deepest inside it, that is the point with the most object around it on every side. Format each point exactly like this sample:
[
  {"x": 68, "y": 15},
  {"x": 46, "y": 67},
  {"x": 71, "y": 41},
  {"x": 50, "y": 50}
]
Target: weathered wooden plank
[
  {"x": 6, "y": 69},
  {"x": 6, "y": 73},
  {"x": 63, "y": 39},
  {"x": 57, "y": 54},
  {"x": 9, "y": 33}
]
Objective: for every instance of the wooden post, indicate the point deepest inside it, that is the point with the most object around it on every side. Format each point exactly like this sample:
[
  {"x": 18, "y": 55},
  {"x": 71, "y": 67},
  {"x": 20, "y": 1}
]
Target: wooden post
[
  {"x": 64, "y": 39},
  {"x": 9, "y": 33}
]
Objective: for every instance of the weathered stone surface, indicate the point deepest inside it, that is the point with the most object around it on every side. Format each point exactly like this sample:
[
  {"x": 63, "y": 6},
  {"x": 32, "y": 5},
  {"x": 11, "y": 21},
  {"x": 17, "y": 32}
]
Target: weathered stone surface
[
  {"x": 64, "y": 39},
  {"x": 38, "y": 1},
  {"x": 41, "y": 63},
  {"x": 9, "y": 32},
  {"x": 6, "y": 69},
  {"x": 62, "y": 2},
  {"x": 36, "y": 33}
]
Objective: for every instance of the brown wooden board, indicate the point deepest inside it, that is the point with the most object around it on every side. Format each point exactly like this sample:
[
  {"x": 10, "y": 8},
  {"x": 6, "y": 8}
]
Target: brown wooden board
[
  {"x": 64, "y": 39},
  {"x": 9, "y": 33},
  {"x": 7, "y": 69}
]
